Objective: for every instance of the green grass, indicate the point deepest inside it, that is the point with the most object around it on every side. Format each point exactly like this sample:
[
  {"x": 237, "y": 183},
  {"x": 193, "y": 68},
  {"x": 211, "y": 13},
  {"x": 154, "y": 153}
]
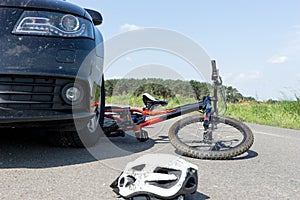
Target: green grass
[{"x": 285, "y": 114}]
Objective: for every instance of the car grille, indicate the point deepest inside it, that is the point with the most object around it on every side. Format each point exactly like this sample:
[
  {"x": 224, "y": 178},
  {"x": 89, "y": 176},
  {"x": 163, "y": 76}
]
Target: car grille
[{"x": 32, "y": 93}]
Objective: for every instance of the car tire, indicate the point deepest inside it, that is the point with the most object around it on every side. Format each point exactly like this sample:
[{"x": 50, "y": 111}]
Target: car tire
[{"x": 90, "y": 134}]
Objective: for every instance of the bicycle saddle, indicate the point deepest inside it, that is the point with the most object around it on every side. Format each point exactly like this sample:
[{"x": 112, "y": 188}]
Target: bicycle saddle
[{"x": 150, "y": 101}]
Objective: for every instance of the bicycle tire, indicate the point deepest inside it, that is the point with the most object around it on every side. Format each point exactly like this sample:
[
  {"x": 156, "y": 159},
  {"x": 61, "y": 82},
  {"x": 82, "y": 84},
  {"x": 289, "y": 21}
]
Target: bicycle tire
[{"x": 212, "y": 152}]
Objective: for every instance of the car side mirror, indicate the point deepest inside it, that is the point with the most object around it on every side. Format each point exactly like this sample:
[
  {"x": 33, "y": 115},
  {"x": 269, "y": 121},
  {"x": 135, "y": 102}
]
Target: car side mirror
[{"x": 96, "y": 16}]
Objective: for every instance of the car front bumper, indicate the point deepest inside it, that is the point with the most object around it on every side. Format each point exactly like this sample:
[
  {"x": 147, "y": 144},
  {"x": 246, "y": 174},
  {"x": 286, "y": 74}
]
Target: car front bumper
[{"x": 66, "y": 122}]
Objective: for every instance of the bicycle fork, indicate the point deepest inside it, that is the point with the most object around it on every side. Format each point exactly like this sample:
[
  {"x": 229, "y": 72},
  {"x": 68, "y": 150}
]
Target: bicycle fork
[{"x": 207, "y": 134}]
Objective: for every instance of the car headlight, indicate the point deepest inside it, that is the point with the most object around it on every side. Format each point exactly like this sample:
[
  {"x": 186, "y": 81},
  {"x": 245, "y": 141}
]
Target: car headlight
[{"x": 53, "y": 24}]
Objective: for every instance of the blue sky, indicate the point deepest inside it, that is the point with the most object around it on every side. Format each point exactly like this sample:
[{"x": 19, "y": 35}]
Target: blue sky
[{"x": 256, "y": 43}]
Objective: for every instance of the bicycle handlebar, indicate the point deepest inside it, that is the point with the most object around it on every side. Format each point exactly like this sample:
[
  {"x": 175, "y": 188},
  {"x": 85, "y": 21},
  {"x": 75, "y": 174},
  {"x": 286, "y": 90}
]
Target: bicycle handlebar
[{"x": 215, "y": 74}]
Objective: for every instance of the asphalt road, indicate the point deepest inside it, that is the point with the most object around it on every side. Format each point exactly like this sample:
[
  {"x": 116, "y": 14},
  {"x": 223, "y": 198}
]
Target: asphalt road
[{"x": 30, "y": 168}]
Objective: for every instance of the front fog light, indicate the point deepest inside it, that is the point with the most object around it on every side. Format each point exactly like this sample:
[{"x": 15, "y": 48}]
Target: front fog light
[{"x": 72, "y": 94}]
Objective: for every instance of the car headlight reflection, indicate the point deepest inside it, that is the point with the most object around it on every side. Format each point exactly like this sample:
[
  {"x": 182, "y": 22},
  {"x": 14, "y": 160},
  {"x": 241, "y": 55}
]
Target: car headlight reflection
[{"x": 53, "y": 24}]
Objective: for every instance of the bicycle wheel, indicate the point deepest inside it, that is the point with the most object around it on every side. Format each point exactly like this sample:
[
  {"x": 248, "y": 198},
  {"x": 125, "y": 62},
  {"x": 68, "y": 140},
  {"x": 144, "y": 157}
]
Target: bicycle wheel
[{"x": 226, "y": 138}]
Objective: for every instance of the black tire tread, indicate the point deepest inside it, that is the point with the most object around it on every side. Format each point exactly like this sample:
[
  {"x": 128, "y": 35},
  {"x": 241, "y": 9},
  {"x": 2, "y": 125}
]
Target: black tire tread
[{"x": 213, "y": 155}]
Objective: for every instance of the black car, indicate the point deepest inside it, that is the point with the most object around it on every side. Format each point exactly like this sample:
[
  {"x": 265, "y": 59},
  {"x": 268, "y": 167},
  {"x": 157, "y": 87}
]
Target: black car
[{"x": 51, "y": 69}]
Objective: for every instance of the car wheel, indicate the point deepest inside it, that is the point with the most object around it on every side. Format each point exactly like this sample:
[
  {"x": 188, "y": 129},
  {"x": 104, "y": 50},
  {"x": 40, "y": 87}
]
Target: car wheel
[{"x": 90, "y": 134}]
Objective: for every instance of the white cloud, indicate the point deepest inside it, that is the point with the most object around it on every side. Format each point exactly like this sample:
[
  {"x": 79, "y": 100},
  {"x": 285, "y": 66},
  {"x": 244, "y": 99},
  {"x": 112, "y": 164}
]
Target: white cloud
[
  {"x": 249, "y": 76},
  {"x": 130, "y": 27},
  {"x": 278, "y": 60}
]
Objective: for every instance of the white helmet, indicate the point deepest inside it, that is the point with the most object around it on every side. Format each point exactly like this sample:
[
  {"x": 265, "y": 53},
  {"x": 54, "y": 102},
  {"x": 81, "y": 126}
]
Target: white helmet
[{"x": 157, "y": 175}]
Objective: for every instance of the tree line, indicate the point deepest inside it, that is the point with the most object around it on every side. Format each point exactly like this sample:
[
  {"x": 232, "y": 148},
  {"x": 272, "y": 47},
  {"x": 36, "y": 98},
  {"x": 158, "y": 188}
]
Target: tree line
[{"x": 162, "y": 88}]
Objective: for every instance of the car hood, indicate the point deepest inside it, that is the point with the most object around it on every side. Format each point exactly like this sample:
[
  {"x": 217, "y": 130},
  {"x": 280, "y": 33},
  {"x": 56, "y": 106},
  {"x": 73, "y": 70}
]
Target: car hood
[{"x": 54, "y": 5}]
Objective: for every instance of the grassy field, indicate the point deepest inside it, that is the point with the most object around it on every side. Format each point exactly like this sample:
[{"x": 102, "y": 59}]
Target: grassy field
[{"x": 285, "y": 114}]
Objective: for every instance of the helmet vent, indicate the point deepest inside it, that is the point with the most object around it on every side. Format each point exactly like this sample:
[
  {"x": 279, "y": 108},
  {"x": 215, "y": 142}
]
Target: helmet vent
[
  {"x": 190, "y": 183},
  {"x": 139, "y": 167},
  {"x": 126, "y": 181}
]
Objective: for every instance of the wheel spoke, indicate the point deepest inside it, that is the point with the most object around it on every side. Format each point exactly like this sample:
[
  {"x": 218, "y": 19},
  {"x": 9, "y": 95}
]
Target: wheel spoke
[{"x": 227, "y": 136}]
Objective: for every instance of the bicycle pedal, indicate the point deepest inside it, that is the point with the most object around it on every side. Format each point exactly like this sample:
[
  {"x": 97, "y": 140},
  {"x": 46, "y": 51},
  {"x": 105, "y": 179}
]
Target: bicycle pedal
[
  {"x": 207, "y": 137},
  {"x": 142, "y": 136},
  {"x": 118, "y": 133}
]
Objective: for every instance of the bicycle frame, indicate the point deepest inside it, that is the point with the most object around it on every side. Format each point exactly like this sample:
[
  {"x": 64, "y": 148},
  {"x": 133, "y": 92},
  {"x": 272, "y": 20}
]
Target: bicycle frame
[
  {"x": 160, "y": 116},
  {"x": 147, "y": 117}
]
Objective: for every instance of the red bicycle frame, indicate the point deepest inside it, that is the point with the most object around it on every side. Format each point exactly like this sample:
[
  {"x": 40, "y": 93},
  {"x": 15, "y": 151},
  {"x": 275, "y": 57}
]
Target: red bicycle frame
[{"x": 125, "y": 116}]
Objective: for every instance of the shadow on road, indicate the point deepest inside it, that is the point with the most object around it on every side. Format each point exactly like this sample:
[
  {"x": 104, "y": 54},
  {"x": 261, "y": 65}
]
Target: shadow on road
[
  {"x": 21, "y": 149},
  {"x": 247, "y": 155},
  {"x": 197, "y": 196},
  {"x": 113, "y": 147}
]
